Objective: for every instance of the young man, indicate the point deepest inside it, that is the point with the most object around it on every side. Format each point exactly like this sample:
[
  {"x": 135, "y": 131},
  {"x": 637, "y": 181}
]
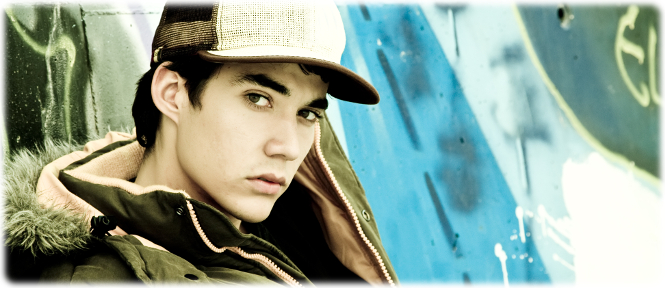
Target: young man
[{"x": 234, "y": 174}]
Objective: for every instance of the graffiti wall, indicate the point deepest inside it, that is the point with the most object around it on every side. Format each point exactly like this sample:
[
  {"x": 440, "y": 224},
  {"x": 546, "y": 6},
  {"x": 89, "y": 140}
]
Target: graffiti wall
[{"x": 512, "y": 144}]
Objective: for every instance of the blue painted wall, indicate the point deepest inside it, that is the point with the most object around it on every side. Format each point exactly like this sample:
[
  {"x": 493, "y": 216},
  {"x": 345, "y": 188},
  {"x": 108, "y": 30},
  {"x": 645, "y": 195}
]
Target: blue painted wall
[{"x": 424, "y": 161}]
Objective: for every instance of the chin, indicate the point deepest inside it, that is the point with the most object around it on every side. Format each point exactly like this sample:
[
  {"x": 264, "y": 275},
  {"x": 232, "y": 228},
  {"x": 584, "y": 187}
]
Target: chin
[
  {"x": 254, "y": 218},
  {"x": 257, "y": 213}
]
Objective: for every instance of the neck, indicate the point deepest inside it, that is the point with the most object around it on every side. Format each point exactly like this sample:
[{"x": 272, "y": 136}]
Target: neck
[{"x": 161, "y": 167}]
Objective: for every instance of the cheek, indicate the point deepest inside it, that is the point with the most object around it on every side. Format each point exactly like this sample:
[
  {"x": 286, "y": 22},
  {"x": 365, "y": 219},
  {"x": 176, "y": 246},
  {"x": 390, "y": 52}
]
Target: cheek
[
  {"x": 205, "y": 139},
  {"x": 193, "y": 147},
  {"x": 306, "y": 141}
]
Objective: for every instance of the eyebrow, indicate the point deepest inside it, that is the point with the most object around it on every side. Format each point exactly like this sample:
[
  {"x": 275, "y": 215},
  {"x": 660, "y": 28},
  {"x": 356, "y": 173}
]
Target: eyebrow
[
  {"x": 321, "y": 103},
  {"x": 263, "y": 80}
]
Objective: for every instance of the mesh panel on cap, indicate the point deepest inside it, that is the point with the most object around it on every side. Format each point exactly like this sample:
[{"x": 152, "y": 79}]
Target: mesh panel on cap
[
  {"x": 268, "y": 23},
  {"x": 183, "y": 30},
  {"x": 188, "y": 13}
]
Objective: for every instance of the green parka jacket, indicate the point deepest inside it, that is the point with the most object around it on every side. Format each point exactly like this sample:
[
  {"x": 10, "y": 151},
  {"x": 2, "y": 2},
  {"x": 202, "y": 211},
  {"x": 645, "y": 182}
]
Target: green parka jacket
[{"x": 323, "y": 223}]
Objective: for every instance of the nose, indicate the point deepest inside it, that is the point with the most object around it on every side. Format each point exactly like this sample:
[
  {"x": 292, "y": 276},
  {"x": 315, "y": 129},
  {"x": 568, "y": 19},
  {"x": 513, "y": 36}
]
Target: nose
[{"x": 284, "y": 141}]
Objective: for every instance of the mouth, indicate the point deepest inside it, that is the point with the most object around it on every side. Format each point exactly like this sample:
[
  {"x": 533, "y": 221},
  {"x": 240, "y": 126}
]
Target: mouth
[
  {"x": 267, "y": 183},
  {"x": 271, "y": 178},
  {"x": 264, "y": 179}
]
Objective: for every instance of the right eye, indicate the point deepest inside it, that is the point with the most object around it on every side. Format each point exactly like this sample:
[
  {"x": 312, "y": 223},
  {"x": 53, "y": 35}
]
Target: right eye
[{"x": 259, "y": 100}]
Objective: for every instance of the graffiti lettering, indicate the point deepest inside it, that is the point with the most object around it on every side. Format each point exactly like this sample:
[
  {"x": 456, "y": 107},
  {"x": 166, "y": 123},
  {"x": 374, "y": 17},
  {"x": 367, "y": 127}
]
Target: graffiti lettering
[
  {"x": 623, "y": 45},
  {"x": 56, "y": 43},
  {"x": 653, "y": 38}
]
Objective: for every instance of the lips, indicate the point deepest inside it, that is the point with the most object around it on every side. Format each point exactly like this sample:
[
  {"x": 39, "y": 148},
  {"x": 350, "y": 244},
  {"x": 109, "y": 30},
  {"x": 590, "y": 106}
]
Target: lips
[
  {"x": 272, "y": 178},
  {"x": 267, "y": 183}
]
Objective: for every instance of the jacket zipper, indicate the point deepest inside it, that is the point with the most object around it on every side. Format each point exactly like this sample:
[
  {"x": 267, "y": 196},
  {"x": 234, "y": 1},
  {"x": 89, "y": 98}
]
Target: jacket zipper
[
  {"x": 256, "y": 257},
  {"x": 349, "y": 208}
]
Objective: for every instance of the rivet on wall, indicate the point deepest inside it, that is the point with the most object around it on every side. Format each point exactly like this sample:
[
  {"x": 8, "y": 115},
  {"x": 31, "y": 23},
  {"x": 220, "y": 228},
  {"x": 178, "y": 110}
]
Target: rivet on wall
[{"x": 565, "y": 16}]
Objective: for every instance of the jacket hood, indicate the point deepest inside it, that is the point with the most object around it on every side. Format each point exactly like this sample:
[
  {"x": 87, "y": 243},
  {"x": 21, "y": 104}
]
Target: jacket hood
[
  {"x": 54, "y": 221},
  {"x": 28, "y": 225}
]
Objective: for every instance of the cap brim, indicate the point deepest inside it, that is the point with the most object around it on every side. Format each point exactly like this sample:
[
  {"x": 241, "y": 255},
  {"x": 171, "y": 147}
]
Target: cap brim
[{"x": 344, "y": 84}]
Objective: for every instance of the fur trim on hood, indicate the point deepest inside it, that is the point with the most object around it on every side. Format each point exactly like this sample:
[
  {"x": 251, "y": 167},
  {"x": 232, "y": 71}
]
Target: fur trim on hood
[{"x": 28, "y": 225}]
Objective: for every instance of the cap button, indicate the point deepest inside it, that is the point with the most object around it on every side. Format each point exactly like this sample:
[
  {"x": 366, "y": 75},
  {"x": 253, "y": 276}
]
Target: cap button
[{"x": 157, "y": 54}]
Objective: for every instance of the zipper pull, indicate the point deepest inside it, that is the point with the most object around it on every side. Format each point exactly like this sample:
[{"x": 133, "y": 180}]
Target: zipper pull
[{"x": 101, "y": 225}]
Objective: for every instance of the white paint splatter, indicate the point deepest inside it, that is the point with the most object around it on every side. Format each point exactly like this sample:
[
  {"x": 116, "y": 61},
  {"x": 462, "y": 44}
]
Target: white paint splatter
[
  {"x": 499, "y": 253},
  {"x": 559, "y": 241},
  {"x": 563, "y": 262},
  {"x": 552, "y": 228},
  {"x": 561, "y": 225},
  {"x": 519, "y": 212},
  {"x": 615, "y": 224}
]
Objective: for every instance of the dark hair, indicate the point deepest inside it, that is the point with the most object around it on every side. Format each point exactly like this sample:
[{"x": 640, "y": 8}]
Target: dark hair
[
  {"x": 196, "y": 73},
  {"x": 324, "y": 73}
]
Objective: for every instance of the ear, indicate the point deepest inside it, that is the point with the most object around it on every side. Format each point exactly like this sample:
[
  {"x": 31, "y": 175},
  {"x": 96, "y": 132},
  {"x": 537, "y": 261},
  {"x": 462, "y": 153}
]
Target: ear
[{"x": 168, "y": 91}]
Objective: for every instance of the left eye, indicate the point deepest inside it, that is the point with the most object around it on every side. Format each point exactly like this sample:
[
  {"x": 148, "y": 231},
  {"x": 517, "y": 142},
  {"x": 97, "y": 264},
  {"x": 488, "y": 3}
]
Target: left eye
[{"x": 308, "y": 115}]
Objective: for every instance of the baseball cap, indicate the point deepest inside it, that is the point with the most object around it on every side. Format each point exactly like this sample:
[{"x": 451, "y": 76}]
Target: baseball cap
[{"x": 305, "y": 32}]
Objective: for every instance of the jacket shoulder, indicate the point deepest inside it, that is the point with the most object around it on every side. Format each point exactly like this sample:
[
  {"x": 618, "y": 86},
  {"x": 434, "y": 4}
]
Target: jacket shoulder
[
  {"x": 152, "y": 265},
  {"x": 115, "y": 259},
  {"x": 99, "y": 263}
]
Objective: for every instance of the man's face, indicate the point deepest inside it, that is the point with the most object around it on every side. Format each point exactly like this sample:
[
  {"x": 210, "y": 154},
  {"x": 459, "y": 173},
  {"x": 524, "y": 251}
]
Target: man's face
[{"x": 241, "y": 149}]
